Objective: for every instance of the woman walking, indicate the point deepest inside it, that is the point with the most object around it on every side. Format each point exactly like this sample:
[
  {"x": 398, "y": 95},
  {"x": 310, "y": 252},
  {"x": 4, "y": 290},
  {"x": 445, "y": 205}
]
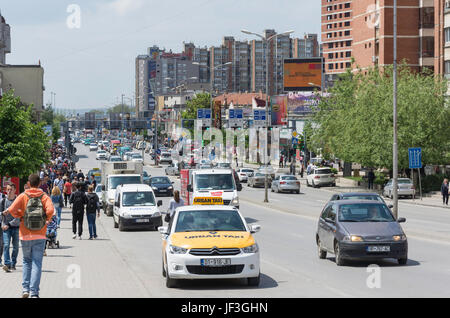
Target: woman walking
[
  {"x": 58, "y": 203},
  {"x": 444, "y": 191},
  {"x": 92, "y": 206},
  {"x": 67, "y": 190}
]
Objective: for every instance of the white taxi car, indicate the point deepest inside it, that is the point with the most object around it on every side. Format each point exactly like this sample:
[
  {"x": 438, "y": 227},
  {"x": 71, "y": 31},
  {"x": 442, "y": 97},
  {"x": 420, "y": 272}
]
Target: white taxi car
[{"x": 209, "y": 242}]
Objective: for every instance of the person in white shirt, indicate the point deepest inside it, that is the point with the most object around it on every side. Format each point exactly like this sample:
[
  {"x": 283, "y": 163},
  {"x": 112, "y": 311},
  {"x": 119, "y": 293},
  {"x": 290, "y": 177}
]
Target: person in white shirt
[{"x": 173, "y": 205}]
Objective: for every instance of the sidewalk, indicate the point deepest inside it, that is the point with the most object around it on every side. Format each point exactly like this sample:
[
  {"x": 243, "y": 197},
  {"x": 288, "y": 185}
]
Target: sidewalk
[
  {"x": 79, "y": 268},
  {"x": 434, "y": 200}
]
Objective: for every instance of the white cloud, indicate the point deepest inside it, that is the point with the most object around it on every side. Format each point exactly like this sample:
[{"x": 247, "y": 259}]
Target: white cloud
[{"x": 122, "y": 7}]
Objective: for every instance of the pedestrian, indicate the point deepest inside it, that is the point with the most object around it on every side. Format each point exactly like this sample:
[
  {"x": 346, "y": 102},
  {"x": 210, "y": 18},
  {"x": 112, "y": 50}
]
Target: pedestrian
[
  {"x": 58, "y": 203},
  {"x": 93, "y": 205},
  {"x": 10, "y": 228},
  {"x": 370, "y": 178},
  {"x": 285, "y": 160},
  {"x": 80, "y": 174},
  {"x": 280, "y": 165},
  {"x": 78, "y": 200},
  {"x": 302, "y": 171},
  {"x": 292, "y": 168},
  {"x": 67, "y": 191},
  {"x": 173, "y": 204},
  {"x": 59, "y": 182},
  {"x": 93, "y": 182},
  {"x": 35, "y": 210},
  {"x": 44, "y": 185},
  {"x": 444, "y": 191}
]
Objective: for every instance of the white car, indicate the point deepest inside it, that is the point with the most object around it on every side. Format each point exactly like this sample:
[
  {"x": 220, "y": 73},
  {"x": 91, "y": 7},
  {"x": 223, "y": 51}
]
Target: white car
[
  {"x": 209, "y": 242},
  {"x": 93, "y": 147},
  {"x": 405, "y": 188},
  {"x": 136, "y": 157},
  {"x": 101, "y": 155},
  {"x": 319, "y": 177},
  {"x": 135, "y": 207},
  {"x": 244, "y": 173},
  {"x": 127, "y": 156},
  {"x": 165, "y": 157}
]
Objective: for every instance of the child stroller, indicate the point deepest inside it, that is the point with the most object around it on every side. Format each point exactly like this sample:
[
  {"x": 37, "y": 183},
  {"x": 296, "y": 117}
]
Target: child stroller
[{"x": 52, "y": 234}]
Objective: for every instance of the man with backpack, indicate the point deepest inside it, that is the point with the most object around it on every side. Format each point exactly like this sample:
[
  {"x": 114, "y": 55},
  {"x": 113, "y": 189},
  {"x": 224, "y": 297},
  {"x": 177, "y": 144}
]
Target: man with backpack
[
  {"x": 93, "y": 205},
  {"x": 35, "y": 209},
  {"x": 78, "y": 200}
]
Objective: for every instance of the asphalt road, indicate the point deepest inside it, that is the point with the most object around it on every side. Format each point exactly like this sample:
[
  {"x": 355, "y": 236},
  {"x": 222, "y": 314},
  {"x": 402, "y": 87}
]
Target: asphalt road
[{"x": 290, "y": 266}]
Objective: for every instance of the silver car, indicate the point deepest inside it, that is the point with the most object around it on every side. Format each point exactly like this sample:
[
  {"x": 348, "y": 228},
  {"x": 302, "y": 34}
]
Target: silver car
[
  {"x": 405, "y": 188},
  {"x": 258, "y": 180},
  {"x": 172, "y": 170},
  {"x": 286, "y": 183}
]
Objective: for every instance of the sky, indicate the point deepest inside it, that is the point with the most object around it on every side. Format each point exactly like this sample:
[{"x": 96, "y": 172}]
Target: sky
[{"x": 91, "y": 66}]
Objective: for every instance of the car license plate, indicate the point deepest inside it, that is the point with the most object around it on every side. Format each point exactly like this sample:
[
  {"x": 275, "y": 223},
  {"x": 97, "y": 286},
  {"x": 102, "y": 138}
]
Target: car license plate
[
  {"x": 378, "y": 249},
  {"x": 215, "y": 262},
  {"x": 142, "y": 220},
  {"x": 162, "y": 190}
]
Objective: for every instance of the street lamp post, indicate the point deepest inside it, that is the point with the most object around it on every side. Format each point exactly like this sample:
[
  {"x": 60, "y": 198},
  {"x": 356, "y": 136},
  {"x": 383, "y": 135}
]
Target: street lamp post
[
  {"x": 266, "y": 41},
  {"x": 395, "y": 146}
]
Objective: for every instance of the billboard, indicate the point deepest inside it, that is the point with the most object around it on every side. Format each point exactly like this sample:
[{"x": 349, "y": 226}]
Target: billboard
[
  {"x": 279, "y": 110},
  {"x": 302, "y": 74},
  {"x": 303, "y": 103},
  {"x": 89, "y": 120}
]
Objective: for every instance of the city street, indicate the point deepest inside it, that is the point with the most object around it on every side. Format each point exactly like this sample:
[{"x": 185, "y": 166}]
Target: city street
[{"x": 128, "y": 264}]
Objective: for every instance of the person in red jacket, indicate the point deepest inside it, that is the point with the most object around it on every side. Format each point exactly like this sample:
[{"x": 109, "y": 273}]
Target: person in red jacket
[{"x": 33, "y": 242}]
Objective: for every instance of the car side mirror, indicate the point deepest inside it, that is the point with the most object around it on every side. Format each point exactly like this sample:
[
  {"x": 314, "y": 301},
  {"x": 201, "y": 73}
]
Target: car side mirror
[
  {"x": 189, "y": 188},
  {"x": 328, "y": 220},
  {"x": 401, "y": 220},
  {"x": 173, "y": 182},
  {"x": 163, "y": 230},
  {"x": 159, "y": 203},
  {"x": 390, "y": 206},
  {"x": 103, "y": 188},
  {"x": 255, "y": 228},
  {"x": 117, "y": 204},
  {"x": 239, "y": 187}
]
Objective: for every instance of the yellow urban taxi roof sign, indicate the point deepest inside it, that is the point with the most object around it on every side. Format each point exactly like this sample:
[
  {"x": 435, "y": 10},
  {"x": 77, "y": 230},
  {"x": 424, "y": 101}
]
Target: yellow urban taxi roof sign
[
  {"x": 208, "y": 201},
  {"x": 219, "y": 239}
]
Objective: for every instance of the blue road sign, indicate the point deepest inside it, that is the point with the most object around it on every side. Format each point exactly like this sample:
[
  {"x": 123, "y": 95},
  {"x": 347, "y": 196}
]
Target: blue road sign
[
  {"x": 239, "y": 113},
  {"x": 231, "y": 114},
  {"x": 149, "y": 124},
  {"x": 207, "y": 113},
  {"x": 294, "y": 141},
  {"x": 415, "y": 158},
  {"x": 200, "y": 113}
]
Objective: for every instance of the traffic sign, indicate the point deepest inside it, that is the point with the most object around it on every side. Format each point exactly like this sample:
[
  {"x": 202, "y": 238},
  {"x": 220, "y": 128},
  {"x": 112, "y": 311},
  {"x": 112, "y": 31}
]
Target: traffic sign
[{"x": 415, "y": 158}]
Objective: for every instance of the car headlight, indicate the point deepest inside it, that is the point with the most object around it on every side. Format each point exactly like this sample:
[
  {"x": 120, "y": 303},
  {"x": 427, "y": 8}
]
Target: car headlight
[
  {"x": 353, "y": 238},
  {"x": 398, "y": 238},
  {"x": 251, "y": 249},
  {"x": 111, "y": 201},
  {"x": 235, "y": 201},
  {"x": 170, "y": 188},
  {"x": 156, "y": 214},
  {"x": 177, "y": 250},
  {"x": 155, "y": 188}
]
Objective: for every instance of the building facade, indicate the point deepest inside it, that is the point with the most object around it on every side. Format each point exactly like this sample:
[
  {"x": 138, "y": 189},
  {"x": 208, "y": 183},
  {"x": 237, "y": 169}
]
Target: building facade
[{"x": 5, "y": 39}]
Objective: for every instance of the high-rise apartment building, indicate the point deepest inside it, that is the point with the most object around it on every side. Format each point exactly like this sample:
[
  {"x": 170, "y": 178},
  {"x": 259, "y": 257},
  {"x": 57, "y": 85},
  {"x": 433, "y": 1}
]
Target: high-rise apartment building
[
  {"x": 308, "y": 47},
  {"x": 200, "y": 56},
  {"x": 5, "y": 39},
  {"x": 446, "y": 40}
]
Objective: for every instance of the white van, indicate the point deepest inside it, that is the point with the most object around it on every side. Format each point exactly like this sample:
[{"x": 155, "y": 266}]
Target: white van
[
  {"x": 211, "y": 186},
  {"x": 135, "y": 206}
]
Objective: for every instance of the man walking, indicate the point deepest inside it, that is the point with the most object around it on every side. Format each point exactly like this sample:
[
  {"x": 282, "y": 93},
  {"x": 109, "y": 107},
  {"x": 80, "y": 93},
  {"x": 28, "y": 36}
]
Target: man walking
[
  {"x": 444, "y": 191},
  {"x": 370, "y": 178},
  {"x": 35, "y": 210},
  {"x": 10, "y": 227},
  {"x": 78, "y": 200},
  {"x": 59, "y": 182}
]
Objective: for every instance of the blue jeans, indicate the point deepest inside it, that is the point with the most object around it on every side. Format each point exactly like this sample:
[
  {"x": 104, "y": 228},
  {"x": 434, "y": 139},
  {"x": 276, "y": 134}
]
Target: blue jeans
[
  {"x": 91, "y": 224},
  {"x": 33, "y": 253},
  {"x": 11, "y": 234},
  {"x": 58, "y": 215}
]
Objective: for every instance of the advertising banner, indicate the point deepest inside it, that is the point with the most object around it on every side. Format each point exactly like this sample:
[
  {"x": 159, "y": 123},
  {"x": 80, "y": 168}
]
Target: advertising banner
[
  {"x": 302, "y": 103},
  {"x": 279, "y": 110},
  {"x": 302, "y": 74}
]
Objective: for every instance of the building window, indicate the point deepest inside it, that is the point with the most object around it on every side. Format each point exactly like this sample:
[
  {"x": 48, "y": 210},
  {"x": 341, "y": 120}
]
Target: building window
[
  {"x": 426, "y": 18},
  {"x": 330, "y": 66},
  {"x": 447, "y": 67},
  {"x": 447, "y": 34},
  {"x": 428, "y": 46}
]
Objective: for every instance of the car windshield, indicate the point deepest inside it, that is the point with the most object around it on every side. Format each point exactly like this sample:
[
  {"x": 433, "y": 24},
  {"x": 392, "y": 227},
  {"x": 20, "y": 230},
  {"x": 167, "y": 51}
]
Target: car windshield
[
  {"x": 363, "y": 197},
  {"x": 209, "y": 220},
  {"x": 214, "y": 181},
  {"x": 324, "y": 171},
  {"x": 160, "y": 180},
  {"x": 224, "y": 165},
  {"x": 365, "y": 212},
  {"x": 289, "y": 178},
  {"x": 115, "y": 181},
  {"x": 246, "y": 170},
  {"x": 98, "y": 188},
  {"x": 138, "y": 199},
  {"x": 404, "y": 181},
  {"x": 259, "y": 174},
  {"x": 137, "y": 157},
  {"x": 115, "y": 159},
  {"x": 101, "y": 151}
]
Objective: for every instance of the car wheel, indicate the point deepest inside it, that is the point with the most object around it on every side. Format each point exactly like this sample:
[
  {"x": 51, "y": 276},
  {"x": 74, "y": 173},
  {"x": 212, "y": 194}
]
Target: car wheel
[
  {"x": 337, "y": 253},
  {"x": 116, "y": 225},
  {"x": 321, "y": 252},
  {"x": 254, "y": 281},
  {"x": 402, "y": 261},
  {"x": 271, "y": 189},
  {"x": 298, "y": 191},
  {"x": 121, "y": 227},
  {"x": 313, "y": 185},
  {"x": 170, "y": 283},
  {"x": 163, "y": 269},
  {"x": 307, "y": 183}
]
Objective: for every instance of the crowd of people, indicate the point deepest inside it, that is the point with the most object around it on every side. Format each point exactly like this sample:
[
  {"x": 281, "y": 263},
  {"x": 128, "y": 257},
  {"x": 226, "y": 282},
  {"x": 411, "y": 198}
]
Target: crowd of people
[{"x": 34, "y": 216}]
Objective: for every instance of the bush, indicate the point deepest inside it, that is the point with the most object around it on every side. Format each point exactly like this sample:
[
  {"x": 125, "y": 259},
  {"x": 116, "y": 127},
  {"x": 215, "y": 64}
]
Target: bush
[
  {"x": 333, "y": 170},
  {"x": 433, "y": 182}
]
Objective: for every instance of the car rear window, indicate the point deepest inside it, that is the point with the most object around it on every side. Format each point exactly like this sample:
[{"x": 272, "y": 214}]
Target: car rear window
[
  {"x": 363, "y": 197},
  {"x": 324, "y": 171},
  {"x": 289, "y": 178},
  {"x": 404, "y": 181}
]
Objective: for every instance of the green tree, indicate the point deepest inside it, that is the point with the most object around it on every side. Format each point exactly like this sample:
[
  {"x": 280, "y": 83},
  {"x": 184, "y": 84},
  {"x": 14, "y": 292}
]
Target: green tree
[
  {"x": 118, "y": 109},
  {"x": 23, "y": 144},
  {"x": 202, "y": 100},
  {"x": 355, "y": 123}
]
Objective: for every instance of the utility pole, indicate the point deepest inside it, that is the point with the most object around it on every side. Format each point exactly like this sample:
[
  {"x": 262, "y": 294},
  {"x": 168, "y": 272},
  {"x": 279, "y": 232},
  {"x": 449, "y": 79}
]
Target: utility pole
[
  {"x": 123, "y": 121},
  {"x": 395, "y": 146}
]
